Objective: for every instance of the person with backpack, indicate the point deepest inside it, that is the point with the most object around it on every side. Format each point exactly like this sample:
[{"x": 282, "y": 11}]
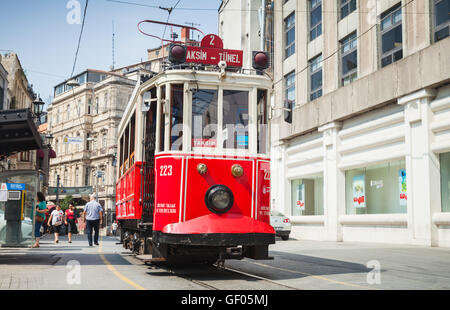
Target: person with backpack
[{"x": 57, "y": 219}]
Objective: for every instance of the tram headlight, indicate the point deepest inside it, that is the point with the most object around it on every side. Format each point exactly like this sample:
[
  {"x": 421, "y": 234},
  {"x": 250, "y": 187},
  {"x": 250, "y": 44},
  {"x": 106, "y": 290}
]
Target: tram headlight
[{"x": 219, "y": 199}]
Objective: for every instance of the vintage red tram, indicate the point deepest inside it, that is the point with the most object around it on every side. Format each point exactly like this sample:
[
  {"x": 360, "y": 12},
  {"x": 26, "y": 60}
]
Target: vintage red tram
[{"x": 194, "y": 171}]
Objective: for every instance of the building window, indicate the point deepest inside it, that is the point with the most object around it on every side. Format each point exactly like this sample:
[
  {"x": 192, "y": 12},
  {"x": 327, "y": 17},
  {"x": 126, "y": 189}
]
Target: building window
[
  {"x": 347, "y": 6},
  {"x": 289, "y": 30},
  {"x": 441, "y": 19},
  {"x": 87, "y": 176},
  {"x": 96, "y": 105},
  {"x": 307, "y": 196},
  {"x": 315, "y": 16},
  {"x": 349, "y": 59},
  {"x": 444, "y": 159},
  {"x": 315, "y": 65},
  {"x": 289, "y": 90},
  {"x": 89, "y": 107},
  {"x": 377, "y": 189},
  {"x": 391, "y": 35}
]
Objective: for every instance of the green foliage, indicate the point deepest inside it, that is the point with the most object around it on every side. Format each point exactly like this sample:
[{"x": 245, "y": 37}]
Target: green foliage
[{"x": 66, "y": 202}]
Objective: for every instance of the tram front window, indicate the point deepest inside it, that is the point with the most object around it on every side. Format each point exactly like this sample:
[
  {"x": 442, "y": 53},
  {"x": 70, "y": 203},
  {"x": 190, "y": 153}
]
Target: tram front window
[
  {"x": 235, "y": 119},
  {"x": 176, "y": 119},
  {"x": 204, "y": 118}
]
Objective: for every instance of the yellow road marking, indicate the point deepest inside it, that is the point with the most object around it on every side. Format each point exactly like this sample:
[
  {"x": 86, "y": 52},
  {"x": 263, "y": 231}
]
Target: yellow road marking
[
  {"x": 114, "y": 270},
  {"x": 316, "y": 277}
]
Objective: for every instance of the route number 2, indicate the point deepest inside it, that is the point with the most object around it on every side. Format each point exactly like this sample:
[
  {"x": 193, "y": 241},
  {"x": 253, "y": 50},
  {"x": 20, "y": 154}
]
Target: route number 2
[{"x": 166, "y": 170}]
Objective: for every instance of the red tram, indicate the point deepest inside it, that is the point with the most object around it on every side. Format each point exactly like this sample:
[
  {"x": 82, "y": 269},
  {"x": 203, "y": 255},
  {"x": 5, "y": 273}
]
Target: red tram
[{"x": 194, "y": 173}]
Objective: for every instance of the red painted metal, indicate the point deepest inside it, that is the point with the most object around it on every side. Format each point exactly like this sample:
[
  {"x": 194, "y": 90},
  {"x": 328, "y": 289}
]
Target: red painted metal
[
  {"x": 212, "y": 56},
  {"x": 213, "y": 223}
]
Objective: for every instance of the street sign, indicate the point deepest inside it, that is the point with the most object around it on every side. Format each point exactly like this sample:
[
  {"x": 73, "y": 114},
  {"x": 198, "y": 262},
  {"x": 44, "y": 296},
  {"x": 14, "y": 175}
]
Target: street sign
[
  {"x": 73, "y": 140},
  {"x": 212, "y": 56},
  {"x": 12, "y": 186}
]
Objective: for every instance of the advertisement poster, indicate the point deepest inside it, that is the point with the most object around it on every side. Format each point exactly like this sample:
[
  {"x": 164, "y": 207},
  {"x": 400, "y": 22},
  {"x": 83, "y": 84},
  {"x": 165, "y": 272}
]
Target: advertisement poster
[
  {"x": 359, "y": 191},
  {"x": 301, "y": 197},
  {"x": 402, "y": 186}
]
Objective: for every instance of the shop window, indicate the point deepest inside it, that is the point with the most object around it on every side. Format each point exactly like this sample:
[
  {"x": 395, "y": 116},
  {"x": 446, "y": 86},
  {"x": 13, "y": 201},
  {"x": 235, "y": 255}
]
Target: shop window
[
  {"x": 307, "y": 196},
  {"x": 204, "y": 118},
  {"x": 377, "y": 189},
  {"x": 445, "y": 181}
]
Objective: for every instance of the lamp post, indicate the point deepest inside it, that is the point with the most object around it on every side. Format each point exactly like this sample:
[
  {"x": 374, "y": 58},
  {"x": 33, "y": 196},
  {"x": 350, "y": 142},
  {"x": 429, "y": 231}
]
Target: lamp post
[{"x": 38, "y": 108}]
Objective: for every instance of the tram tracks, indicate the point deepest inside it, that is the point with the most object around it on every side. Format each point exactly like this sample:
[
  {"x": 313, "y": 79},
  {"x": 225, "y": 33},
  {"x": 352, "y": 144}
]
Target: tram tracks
[{"x": 215, "y": 273}]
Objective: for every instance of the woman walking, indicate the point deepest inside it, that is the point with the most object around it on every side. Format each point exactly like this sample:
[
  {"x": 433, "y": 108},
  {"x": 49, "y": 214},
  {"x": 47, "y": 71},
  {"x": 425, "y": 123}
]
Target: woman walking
[
  {"x": 56, "y": 218},
  {"x": 41, "y": 209},
  {"x": 71, "y": 222}
]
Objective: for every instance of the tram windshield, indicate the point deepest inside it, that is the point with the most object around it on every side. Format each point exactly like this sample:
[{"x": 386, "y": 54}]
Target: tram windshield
[
  {"x": 214, "y": 119},
  {"x": 235, "y": 119},
  {"x": 204, "y": 117}
]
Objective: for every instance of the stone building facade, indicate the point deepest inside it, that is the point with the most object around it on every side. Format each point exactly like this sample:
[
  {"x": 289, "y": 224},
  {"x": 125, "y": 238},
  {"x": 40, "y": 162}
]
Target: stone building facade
[
  {"x": 19, "y": 95},
  {"x": 83, "y": 121}
]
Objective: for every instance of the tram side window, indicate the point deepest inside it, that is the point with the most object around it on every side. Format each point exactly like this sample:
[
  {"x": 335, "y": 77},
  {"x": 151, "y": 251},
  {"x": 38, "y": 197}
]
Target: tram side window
[
  {"x": 204, "y": 118},
  {"x": 132, "y": 136},
  {"x": 162, "y": 132},
  {"x": 121, "y": 155},
  {"x": 235, "y": 119},
  {"x": 176, "y": 118},
  {"x": 262, "y": 121}
]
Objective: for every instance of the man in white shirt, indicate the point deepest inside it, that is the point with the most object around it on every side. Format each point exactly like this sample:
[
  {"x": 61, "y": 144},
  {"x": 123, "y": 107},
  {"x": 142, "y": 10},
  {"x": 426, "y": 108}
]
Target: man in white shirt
[{"x": 93, "y": 213}]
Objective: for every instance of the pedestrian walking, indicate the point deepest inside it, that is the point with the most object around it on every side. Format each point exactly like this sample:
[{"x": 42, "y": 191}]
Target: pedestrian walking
[
  {"x": 56, "y": 219},
  {"x": 71, "y": 222},
  {"x": 81, "y": 224},
  {"x": 93, "y": 214},
  {"x": 114, "y": 228},
  {"x": 39, "y": 218}
]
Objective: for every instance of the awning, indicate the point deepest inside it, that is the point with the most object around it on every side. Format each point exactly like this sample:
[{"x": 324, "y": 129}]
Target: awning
[
  {"x": 51, "y": 153},
  {"x": 18, "y": 132}
]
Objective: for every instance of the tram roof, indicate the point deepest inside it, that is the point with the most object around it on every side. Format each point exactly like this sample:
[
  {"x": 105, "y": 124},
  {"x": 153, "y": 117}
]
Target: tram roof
[{"x": 208, "y": 76}]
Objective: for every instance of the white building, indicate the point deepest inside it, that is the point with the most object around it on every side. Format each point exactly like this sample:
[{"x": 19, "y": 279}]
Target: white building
[{"x": 366, "y": 154}]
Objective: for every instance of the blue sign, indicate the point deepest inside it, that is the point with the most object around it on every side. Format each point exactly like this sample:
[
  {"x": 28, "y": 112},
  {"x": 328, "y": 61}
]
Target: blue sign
[{"x": 15, "y": 186}]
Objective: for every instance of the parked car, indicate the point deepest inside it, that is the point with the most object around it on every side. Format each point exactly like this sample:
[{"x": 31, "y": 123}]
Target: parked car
[{"x": 281, "y": 224}]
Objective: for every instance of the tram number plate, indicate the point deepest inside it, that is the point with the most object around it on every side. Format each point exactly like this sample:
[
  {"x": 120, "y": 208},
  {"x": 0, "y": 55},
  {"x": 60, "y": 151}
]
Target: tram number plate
[{"x": 165, "y": 170}]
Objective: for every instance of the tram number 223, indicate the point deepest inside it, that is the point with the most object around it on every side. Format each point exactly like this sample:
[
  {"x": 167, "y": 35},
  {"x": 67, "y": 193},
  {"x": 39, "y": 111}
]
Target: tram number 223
[{"x": 165, "y": 170}]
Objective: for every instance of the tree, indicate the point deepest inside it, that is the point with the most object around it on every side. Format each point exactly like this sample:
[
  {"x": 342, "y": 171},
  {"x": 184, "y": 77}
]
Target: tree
[{"x": 66, "y": 202}]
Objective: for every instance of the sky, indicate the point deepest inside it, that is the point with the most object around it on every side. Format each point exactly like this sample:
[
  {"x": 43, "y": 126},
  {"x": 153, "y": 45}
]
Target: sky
[{"x": 44, "y": 33}]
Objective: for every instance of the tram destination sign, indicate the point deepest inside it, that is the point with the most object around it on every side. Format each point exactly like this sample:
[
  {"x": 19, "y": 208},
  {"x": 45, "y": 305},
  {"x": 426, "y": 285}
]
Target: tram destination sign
[{"x": 212, "y": 56}]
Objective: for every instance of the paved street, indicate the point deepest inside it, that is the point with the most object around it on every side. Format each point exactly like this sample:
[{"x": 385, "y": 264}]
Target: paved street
[{"x": 296, "y": 265}]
